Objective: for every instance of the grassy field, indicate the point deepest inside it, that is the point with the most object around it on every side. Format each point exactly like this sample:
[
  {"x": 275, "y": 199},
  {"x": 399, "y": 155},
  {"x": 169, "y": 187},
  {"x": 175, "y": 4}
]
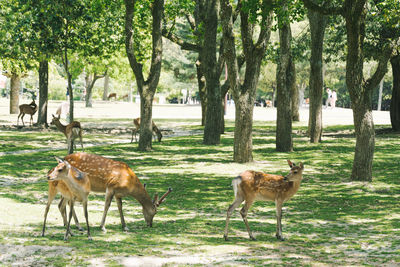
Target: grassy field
[{"x": 330, "y": 221}]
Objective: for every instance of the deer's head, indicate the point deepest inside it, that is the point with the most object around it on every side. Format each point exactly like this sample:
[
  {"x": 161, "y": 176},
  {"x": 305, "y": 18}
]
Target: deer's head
[
  {"x": 150, "y": 213},
  {"x": 295, "y": 173},
  {"x": 55, "y": 119},
  {"x": 64, "y": 170}
]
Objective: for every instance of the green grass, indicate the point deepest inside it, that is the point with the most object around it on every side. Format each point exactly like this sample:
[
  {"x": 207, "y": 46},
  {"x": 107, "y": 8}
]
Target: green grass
[{"x": 330, "y": 221}]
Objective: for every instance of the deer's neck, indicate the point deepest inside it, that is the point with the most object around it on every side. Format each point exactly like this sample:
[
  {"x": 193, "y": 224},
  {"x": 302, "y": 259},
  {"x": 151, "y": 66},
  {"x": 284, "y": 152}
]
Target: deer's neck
[
  {"x": 144, "y": 199},
  {"x": 61, "y": 128}
]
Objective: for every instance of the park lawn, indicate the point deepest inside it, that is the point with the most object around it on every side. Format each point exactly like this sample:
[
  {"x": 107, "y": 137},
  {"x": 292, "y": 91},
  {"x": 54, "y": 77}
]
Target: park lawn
[{"x": 330, "y": 221}]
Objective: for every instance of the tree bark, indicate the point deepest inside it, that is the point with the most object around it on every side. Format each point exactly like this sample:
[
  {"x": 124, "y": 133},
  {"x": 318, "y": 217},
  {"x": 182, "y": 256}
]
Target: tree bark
[
  {"x": 202, "y": 91},
  {"x": 317, "y": 27},
  {"x": 88, "y": 95},
  {"x": 106, "y": 86},
  {"x": 15, "y": 86},
  {"x": 146, "y": 88},
  {"x": 284, "y": 141},
  {"x": 208, "y": 54},
  {"x": 294, "y": 91},
  {"x": 43, "y": 92},
  {"x": 395, "y": 102},
  {"x": 244, "y": 94}
]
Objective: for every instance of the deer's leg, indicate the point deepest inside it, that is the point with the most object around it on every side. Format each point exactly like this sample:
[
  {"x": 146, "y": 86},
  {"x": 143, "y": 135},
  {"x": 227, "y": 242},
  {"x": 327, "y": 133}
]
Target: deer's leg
[
  {"x": 119, "y": 203},
  {"x": 50, "y": 199},
  {"x": 19, "y": 115},
  {"x": 231, "y": 208},
  {"x": 71, "y": 207},
  {"x": 22, "y": 119},
  {"x": 132, "y": 135},
  {"x": 76, "y": 221},
  {"x": 278, "y": 204},
  {"x": 87, "y": 219},
  {"x": 31, "y": 121},
  {"x": 109, "y": 196},
  {"x": 243, "y": 212},
  {"x": 63, "y": 210}
]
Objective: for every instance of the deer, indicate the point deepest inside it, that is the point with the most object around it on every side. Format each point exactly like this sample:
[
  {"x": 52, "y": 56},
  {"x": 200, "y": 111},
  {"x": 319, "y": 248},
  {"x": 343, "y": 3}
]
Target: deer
[
  {"x": 156, "y": 131},
  {"x": 71, "y": 131},
  {"x": 250, "y": 186},
  {"x": 115, "y": 179},
  {"x": 27, "y": 109},
  {"x": 112, "y": 95},
  {"x": 66, "y": 196},
  {"x": 79, "y": 185}
]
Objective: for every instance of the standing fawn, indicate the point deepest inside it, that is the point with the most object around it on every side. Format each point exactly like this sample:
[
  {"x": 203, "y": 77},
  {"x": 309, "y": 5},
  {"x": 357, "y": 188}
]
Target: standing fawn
[
  {"x": 250, "y": 186},
  {"x": 156, "y": 131},
  {"x": 27, "y": 109},
  {"x": 117, "y": 180},
  {"x": 71, "y": 131},
  {"x": 79, "y": 185},
  {"x": 66, "y": 196}
]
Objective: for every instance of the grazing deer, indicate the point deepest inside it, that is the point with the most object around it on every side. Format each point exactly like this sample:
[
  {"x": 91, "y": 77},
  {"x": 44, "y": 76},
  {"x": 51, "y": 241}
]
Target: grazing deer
[
  {"x": 27, "y": 109},
  {"x": 79, "y": 185},
  {"x": 250, "y": 186},
  {"x": 66, "y": 196},
  {"x": 71, "y": 131},
  {"x": 156, "y": 131},
  {"x": 117, "y": 180},
  {"x": 111, "y": 96}
]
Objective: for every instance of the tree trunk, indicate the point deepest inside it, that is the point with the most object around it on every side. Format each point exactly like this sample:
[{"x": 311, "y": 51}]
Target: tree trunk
[
  {"x": 317, "y": 27},
  {"x": 380, "y": 95},
  {"x": 360, "y": 100},
  {"x": 243, "y": 140},
  {"x": 106, "y": 86},
  {"x": 209, "y": 64},
  {"x": 201, "y": 82},
  {"x": 89, "y": 87},
  {"x": 146, "y": 129},
  {"x": 395, "y": 102},
  {"x": 15, "y": 87},
  {"x": 43, "y": 92},
  {"x": 284, "y": 141}
]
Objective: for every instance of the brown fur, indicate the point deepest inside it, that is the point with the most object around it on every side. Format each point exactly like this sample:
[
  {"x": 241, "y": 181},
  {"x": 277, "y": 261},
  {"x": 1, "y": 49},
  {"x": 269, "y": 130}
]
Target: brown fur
[
  {"x": 156, "y": 131},
  {"x": 27, "y": 109}
]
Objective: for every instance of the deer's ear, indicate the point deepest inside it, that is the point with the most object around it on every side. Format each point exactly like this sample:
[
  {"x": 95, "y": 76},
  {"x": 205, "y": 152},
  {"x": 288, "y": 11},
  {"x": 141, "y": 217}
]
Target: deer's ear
[
  {"x": 58, "y": 159},
  {"x": 301, "y": 165},
  {"x": 78, "y": 174},
  {"x": 291, "y": 164},
  {"x": 53, "y": 115}
]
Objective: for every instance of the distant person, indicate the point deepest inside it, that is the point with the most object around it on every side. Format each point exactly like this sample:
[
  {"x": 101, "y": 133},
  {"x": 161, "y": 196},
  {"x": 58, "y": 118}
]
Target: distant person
[
  {"x": 329, "y": 99},
  {"x": 334, "y": 98}
]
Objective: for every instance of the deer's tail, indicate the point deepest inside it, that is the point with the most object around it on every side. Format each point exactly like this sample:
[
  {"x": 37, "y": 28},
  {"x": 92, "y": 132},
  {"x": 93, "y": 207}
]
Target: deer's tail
[{"x": 235, "y": 184}]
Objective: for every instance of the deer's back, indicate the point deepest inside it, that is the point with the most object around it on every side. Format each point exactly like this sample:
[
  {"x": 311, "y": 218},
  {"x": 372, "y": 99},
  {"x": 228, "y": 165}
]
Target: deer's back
[
  {"x": 103, "y": 172},
  {"x": 263, "y": 186}
]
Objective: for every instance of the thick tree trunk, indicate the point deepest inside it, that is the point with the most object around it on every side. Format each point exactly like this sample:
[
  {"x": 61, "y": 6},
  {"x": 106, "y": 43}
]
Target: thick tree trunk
[
  {"x": 146, "y": 129},
  {"x": 209, "y": 64},
  {"x": 106, "y": 86},
  {"x": 284, "y": 141},
  {"x": 243, "y": 141},
  {"x": 43, "y": 92},
  {"x": 201, "y": 82},
  {"x": 317, "y": 27},
  {"x": 395, "y": 102},
  {"x": 15, "y": 86}
]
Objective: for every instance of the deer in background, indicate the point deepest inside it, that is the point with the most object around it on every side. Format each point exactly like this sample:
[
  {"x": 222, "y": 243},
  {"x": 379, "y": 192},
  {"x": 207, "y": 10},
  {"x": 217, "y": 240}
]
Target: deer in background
[
  {"x": 79, "y": 185},
  {"x": 250, "y": 186},
  {"x": 66, "y": 197},
  {"x": 27, "y": 109},
  {"x": 71, "y": 131},
  {"x": 117, "y": 180},
  {"x": 156, "y": 131},
  {"x": 112, "y": 95}
]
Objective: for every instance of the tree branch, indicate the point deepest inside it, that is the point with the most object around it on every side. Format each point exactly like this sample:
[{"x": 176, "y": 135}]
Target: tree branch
[
  {"x": 381, "y": 70},
  {"x": 183, "y": 44},
  {"x": 325, "y": 10}
]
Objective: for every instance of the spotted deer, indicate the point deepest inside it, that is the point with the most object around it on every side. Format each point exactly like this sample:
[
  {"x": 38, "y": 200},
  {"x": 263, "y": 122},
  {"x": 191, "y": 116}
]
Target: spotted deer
[
  {"x": 71, "y": 131},
  {"x": 79, "y": 185},
  {"x": 117, "y": 180},
  {"x": 250, "y": 186},
  {"x": 27, "y": 109},
  {"x": 66, "y": 196},
  {"x": 135, "y": 130}
]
